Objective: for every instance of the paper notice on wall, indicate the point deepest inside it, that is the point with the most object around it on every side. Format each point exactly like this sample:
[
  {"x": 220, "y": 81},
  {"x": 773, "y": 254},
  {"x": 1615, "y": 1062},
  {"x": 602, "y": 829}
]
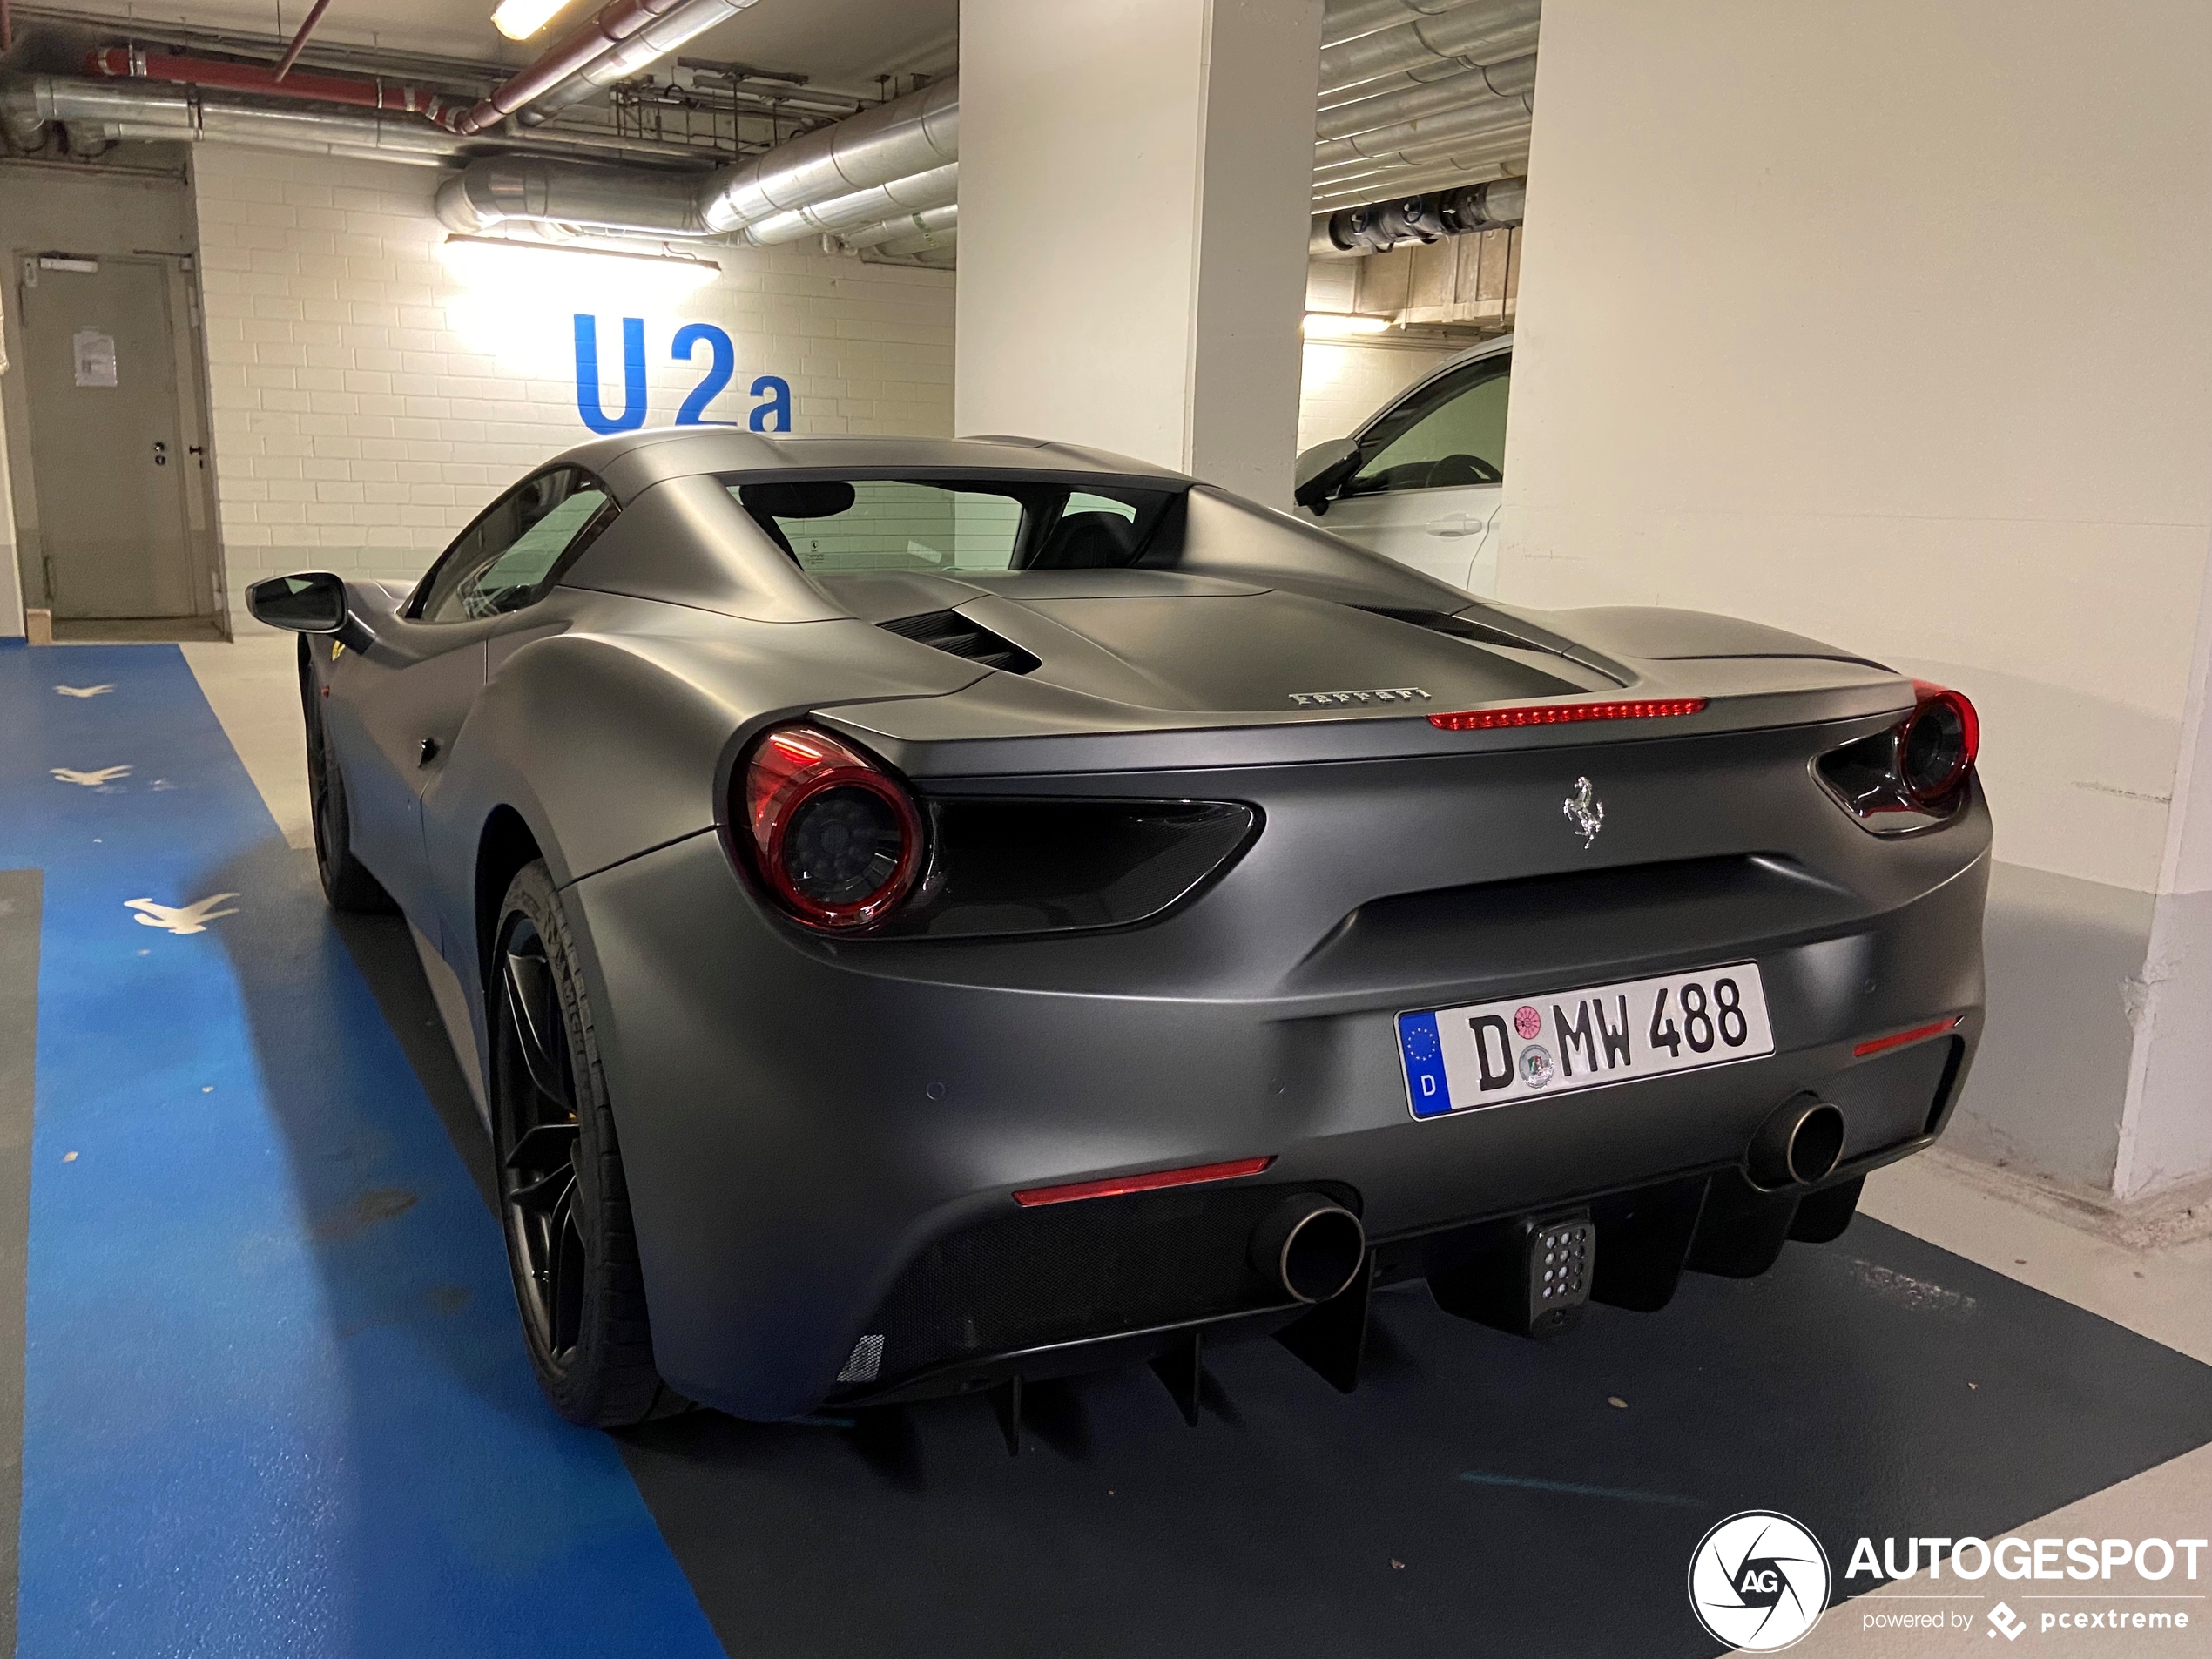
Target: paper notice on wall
[{"x": 95, "y": 354}]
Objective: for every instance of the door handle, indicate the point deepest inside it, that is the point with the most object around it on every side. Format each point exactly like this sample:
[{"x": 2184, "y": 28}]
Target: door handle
[
  {"x": 1454, "y": 524},
  {"x": 160, "y": 454},
  {"x": 427, "y": 753}
]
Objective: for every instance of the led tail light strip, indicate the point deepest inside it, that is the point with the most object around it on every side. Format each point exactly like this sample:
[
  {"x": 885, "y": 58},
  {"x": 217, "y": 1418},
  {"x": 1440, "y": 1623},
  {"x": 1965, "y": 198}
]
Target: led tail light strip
[{"x": 1647, "y": 708}]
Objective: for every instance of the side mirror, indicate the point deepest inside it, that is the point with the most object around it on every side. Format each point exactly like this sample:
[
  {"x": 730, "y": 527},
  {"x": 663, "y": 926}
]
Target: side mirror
[
  {"x": 313, "y": 603},
  {"x": 1321, "y": 469}
]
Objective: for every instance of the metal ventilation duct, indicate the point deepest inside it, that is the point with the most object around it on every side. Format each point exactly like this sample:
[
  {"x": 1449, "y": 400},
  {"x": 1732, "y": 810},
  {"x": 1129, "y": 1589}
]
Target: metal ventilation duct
[
  {"x": 1349, "y": 19},
  {"x": 106, "y": 112},
  {"x": 1378, "y": 226},
  {"x": 620, "y": 39},
  {"x": 898, "y": 157},
  {"x": 1430, "y": 47}
]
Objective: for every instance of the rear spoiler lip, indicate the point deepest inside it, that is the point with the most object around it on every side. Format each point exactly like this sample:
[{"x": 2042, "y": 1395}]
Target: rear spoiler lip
[{"x": 921, "y": 736}]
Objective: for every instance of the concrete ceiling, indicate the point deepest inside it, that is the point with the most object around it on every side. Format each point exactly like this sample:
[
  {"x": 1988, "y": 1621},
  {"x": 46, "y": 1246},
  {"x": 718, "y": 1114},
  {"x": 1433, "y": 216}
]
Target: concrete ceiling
[{"x": 844, "y": 45}]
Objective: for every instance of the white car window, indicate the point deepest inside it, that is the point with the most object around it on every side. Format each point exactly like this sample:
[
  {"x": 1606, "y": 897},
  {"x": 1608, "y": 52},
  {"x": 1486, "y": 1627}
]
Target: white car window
[{"x": 1450, "y": 433}]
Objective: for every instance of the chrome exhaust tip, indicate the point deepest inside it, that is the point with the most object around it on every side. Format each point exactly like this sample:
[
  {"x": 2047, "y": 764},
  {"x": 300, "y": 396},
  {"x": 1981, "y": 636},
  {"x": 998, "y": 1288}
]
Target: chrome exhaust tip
[
  {"x": 1801, "y": 1142},
  {"x": 1311, "y": 1246}
]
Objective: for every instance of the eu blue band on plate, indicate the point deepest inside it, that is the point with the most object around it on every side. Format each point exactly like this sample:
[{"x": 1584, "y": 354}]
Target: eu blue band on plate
[{"x": 1424, "y": 1052}]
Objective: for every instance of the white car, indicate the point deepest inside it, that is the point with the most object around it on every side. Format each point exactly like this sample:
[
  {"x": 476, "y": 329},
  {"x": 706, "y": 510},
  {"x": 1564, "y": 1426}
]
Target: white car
[{"x": 1421, "y": 481}]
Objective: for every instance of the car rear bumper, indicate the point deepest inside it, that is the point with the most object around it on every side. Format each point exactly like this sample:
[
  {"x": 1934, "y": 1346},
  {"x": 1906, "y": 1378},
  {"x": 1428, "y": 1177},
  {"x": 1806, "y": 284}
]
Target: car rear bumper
[{"x": 822, "y": 1140}]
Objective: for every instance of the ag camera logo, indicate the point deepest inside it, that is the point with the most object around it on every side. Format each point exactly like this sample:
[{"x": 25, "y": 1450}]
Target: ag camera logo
[{"x": 1759, "y": 1582}]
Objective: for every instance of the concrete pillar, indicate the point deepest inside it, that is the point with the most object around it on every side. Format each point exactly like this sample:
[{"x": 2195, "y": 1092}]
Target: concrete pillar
[
  {"x": 1803, "y": 338},
  {"x": 1134, "y": 182}
]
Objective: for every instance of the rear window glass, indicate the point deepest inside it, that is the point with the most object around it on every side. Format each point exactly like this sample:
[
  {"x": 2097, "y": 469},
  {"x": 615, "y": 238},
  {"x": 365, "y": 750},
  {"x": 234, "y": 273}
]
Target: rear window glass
[{"x": 851, "y": 527}]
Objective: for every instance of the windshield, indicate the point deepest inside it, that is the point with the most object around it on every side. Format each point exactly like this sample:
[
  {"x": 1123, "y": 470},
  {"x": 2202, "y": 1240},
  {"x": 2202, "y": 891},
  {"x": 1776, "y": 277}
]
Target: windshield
[{"x": 854, "y": 526}]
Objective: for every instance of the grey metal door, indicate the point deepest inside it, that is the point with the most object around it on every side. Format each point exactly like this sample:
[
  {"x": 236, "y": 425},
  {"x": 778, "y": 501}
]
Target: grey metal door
[{"x": 105, "y": 452}]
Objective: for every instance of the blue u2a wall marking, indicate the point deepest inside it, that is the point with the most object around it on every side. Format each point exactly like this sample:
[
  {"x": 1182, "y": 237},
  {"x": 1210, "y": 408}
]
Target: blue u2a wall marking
[{"x": 771, "y": 413}]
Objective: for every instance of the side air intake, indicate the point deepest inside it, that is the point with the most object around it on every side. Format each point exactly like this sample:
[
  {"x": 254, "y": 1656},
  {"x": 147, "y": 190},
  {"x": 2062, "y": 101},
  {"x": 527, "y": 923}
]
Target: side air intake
[{"x": 947, "y": 631}]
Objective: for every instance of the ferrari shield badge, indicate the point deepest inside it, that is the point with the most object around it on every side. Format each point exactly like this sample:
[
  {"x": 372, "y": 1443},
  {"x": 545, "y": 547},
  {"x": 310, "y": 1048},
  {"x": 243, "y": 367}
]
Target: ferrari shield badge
[{"x": 1584, "y": 811}]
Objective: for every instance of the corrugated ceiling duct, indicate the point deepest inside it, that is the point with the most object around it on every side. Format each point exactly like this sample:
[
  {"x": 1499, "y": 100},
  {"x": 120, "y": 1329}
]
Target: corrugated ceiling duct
[
  {"x": 914, "y": 134},
  {"x": 1475, "y": 149},
  {"x": 894, "y": 159},
  {"x": 1349, "y": 19},
  {"x": 659, "y": 37},
  {"x": 1471, "y": 37},
  {"x": 106, "y": 112},
  {"x": 1512, "y": 81},
  {"x": 930, "y": 220},
  {"x": 1457, "y": 126},
  {"x": 1417, "y": 181},
  {"x": 938, "y": 187},
  {"x": 592, "y": 44},
  {"x": 499, "y": 190}
]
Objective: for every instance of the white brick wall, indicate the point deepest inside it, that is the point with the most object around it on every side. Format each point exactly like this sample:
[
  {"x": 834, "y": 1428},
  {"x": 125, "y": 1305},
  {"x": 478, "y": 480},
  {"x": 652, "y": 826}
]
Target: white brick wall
[{"x": 368, "y": 401}]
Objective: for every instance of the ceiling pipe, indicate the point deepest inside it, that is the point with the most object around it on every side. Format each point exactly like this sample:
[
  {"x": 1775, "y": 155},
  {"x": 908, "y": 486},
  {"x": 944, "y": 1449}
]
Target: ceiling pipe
[
  {"x": 1349, "y": 19},
  {"x": 1453, "y": 129},
  {"x": 1514, "y": 81},
  {"x": 620, "y": 39},
  {"x": 911, "y": 135},
  {"x": 300, "y": 41},
  {"x": 906, "y": 247},
  {"x": 1375, "y": 227},
  {"x": 134, "y": 63},
  {"x": 522, "y": 190},
  {"x": 660, "y": 38},
  {"x": 897, "y": 157},
  {"x": 1472, "y": 149},
  {"x": 1472, "y": 37},
  {"x": 939, "y": 187},
  {"x": 496, "y": 191},
  {"x": 929, "y": 220},
  {"x": 1454, "y": 173},
  {"x": 110, "y": 110}
]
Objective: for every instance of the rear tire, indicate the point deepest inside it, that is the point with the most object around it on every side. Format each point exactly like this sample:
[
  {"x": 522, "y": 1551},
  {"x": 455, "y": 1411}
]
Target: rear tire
[
  {"x": 347, "y": 884},
  {"x": 563, "y": 1202}
]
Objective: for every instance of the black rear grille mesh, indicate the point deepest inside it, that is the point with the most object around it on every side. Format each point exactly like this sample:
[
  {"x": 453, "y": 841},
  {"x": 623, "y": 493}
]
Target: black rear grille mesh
[
  {"x": 1023, "y": 1278},
  {"x": 947, "y": 631}
]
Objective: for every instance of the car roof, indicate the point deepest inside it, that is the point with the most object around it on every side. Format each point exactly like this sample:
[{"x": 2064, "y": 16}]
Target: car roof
[
  {"x": 1474, "y": 354},
  {"x": 632, "y": 462}
]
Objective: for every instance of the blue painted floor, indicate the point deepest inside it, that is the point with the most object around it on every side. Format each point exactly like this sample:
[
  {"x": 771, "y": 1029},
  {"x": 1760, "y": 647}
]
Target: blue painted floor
[{"x": 275, "y": 1402}]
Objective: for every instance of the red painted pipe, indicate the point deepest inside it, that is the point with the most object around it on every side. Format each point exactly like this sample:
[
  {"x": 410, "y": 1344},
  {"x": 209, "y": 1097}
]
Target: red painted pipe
[
  {"x": 300, "y": 41},
  {"x": 128, "y": 63},
  {"x": 612, "y": 23}
]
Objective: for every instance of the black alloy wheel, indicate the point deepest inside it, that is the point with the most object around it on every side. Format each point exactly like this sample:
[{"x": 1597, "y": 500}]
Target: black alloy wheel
[
  {"x": 537, "y": 1176},
  {"x": 563, "y": 1202}
]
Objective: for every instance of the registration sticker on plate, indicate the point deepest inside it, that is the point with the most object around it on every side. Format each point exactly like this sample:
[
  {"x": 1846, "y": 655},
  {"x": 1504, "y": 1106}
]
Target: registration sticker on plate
[{"x": 1488, "y": 1053}]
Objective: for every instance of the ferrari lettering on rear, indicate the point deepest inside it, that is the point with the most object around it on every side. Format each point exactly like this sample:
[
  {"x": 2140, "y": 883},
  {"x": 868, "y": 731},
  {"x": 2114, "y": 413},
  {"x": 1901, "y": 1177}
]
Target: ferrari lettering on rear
[
  {"x": 1387, "y": 694},
  {"x": 1492, "y": 1053}
]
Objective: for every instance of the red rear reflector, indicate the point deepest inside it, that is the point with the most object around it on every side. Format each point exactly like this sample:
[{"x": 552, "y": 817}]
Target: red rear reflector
[
  {"x": 1876, "y": 1045},
  {"x": 1121, "y": 1183},
  {"x": 1647, "y": 708}
]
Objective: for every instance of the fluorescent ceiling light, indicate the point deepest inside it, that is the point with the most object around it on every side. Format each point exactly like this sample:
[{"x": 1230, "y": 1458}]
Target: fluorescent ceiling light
[
  {"x": 498, "y": 262},
  {"x": 1338, "y": 325},
  {"x": 520, "y": 20}
]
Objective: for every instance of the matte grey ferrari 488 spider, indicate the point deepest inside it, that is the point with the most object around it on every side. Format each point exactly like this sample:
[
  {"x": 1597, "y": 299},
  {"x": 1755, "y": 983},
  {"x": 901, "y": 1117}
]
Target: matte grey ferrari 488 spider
[{"x": 936, "y": 915}]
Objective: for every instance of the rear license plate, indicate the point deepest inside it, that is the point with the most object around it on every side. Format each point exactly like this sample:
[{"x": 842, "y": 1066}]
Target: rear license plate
[{"x": 1488, "y": 1053}]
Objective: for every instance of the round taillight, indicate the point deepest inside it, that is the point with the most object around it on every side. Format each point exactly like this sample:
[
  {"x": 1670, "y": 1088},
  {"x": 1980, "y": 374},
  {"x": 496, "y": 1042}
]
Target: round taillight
[
  {"x": 836, "y": 837},
  {"x": 1936, "y": 747}
]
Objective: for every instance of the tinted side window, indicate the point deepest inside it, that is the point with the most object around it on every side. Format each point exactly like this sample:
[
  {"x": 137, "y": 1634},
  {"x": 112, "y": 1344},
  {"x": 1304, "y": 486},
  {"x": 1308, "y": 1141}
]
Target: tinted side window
[
  {"x": 502, "y": 562},
  {"x": 1451, "y": 433}
]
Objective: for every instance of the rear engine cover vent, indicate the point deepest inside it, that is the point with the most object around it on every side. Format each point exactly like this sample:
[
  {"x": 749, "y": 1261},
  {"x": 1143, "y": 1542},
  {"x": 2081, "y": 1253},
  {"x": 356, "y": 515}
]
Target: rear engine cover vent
[{"x": 947, "y": 631}]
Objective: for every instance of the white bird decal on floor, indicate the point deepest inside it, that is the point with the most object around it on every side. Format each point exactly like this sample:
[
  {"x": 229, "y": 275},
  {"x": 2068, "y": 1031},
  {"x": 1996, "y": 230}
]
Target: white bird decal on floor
[
  {"x": 188, "y": 918},
  {"x": 83, "y": 691},
  {"x": 91, "y": 780}
]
